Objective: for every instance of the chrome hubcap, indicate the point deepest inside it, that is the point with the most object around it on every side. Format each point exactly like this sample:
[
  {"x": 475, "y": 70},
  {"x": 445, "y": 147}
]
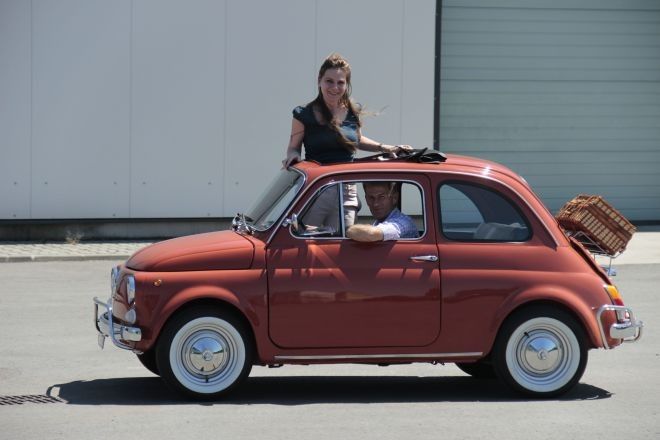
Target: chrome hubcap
[
  {"x": 541, "y": 353},
  {"x": 206, "y": 353}
]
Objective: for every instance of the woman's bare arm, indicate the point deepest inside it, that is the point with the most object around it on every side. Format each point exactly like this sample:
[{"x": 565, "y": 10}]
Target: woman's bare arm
[
  {"x": 295, "y": 143},
  {"x": 367, "y": 144}
]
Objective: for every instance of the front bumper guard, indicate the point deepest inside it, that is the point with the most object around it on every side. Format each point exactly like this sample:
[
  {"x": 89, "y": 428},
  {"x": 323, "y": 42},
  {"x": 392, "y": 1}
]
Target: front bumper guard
[
  {"x": 627, "y": 328},
  {"x": 119, "y": 333}
]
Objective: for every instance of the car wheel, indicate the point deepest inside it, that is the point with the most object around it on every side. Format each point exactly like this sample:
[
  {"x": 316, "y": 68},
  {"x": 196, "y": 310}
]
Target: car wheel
[
  {"x": 148, "y": 360},
  {"x": 204, "y": 353},
  {"x": 478, "y": 370},
  {"x": 540, "y": 352}
]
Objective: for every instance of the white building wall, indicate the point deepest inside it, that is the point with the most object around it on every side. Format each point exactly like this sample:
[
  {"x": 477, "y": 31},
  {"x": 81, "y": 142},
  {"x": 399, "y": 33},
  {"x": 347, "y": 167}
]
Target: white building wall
[
  {"x": 79, "y": 108},
  {"x": 173, "y": 109}
]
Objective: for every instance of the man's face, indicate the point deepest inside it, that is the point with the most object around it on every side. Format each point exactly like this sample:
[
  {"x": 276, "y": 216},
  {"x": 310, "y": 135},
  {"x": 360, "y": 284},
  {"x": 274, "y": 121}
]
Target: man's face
[{"x": 381, "y": 200}]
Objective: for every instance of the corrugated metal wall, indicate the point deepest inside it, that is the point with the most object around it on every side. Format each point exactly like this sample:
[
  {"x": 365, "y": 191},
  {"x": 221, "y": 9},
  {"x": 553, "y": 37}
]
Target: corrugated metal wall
[
  {"x": 567, "y": 93},
  {"x": 171, "y": 108}
]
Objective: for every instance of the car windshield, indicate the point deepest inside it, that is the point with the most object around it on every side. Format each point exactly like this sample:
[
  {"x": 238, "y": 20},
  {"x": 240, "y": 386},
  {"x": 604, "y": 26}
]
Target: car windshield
[{"x": 275, "y": 199}]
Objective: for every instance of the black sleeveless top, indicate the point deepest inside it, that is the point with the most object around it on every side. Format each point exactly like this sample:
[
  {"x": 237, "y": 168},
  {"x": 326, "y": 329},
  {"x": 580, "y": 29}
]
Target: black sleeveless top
[{"x": 322, "y": 144}]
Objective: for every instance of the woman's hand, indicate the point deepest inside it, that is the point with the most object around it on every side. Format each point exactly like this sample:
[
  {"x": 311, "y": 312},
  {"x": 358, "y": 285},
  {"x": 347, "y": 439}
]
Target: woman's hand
[
  {"x": 393, "y": 150},
  {"x": 291, "y": 159}
]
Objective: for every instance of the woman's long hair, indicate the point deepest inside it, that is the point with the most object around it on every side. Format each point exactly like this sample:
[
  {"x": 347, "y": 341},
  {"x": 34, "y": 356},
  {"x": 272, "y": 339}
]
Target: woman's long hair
[{"x": 336, "y": 61}]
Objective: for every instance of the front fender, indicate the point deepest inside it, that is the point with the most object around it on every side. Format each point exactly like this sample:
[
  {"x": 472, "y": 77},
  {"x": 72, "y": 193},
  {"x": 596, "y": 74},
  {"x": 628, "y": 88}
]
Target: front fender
[{"x": 191, "y": 294}]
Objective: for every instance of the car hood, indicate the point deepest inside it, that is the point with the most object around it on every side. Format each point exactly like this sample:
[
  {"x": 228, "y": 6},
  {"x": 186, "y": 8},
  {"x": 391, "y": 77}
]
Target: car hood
[{"x": 210, "y": 251}]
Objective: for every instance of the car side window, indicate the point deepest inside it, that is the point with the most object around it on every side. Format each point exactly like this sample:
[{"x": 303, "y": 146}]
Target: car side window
[
  {"x": 321, "y": 216},
  {"x": 409, "y": 203},
  {"x": 336, "y": 207},
  {"x": 470, "y": 212}
]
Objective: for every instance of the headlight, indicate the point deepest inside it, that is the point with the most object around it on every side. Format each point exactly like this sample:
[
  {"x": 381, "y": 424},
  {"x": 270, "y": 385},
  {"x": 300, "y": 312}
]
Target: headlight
[
  {"x": 114, "y": 277},
  {"x": 130, "y": 288}
]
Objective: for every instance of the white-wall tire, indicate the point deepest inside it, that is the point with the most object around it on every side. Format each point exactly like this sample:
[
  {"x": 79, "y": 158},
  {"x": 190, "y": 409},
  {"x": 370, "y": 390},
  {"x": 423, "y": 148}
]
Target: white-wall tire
[
  {"x": 541, "y": 352},
  {"x": 204, "y": 353}
]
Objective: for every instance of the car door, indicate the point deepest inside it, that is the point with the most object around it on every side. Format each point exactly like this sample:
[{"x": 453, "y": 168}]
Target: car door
[{"x": 330, "y": 291}]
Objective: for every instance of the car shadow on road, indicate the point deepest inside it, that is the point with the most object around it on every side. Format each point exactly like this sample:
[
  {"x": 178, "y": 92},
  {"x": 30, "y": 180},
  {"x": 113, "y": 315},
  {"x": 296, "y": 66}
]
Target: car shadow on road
[{"x": 304, "y": 390}]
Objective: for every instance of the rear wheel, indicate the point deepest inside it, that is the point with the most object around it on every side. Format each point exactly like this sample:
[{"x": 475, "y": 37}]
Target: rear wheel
[
  {"x": 541, "y": 351},
  {"x": 204, "y": 353}
]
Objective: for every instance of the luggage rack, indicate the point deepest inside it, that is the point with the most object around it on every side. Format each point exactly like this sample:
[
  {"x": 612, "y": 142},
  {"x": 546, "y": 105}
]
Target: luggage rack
[
  {"x": 594, "y": 249},
  {"x": 421, "y": 155}
]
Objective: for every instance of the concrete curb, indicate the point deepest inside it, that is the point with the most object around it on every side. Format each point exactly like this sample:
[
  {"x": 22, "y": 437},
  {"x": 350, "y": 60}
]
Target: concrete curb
[
  {"x": 22, "y": 252},
  {"x": 48, "y": 258}
]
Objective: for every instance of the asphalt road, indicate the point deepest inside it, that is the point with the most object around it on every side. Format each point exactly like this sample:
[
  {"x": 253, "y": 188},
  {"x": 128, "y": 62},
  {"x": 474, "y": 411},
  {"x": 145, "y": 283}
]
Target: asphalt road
[{"x": 56, "y": 383}]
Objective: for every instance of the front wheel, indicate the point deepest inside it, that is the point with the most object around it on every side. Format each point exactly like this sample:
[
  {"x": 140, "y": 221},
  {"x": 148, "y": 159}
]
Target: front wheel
[
  {"x": 204, "y": 353},
  {"x": 541, "y": 352}
]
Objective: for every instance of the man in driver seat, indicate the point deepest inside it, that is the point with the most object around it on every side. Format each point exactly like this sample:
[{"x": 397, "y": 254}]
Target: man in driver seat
[{"x": 391, "y": 224}]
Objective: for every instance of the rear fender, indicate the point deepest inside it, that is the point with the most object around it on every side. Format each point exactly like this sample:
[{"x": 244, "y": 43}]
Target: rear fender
[{"x": 551, "y": 295}]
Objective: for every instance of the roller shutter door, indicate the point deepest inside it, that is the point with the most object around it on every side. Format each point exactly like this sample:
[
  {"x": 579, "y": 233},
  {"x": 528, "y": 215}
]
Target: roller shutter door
[{"x": 565, "y": 92}]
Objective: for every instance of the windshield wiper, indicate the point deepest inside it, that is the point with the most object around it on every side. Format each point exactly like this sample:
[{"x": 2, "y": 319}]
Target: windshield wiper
[{"x": 239, "y": 224}]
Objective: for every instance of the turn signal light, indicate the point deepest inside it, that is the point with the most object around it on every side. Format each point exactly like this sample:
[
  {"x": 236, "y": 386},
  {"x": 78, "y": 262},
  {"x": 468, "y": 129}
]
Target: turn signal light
[{"x": 614, "y": 294}]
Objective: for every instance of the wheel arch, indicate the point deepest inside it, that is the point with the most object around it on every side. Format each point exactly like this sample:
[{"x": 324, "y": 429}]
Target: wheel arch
[
  {"x": 205, "y": 297},
  {"x": 215, "y": 303},
  {"x": 561, "y": 299}
]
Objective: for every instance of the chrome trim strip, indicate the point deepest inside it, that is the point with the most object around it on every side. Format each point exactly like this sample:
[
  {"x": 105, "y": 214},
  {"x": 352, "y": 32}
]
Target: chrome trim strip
[
  {"x": 381, "y": 356},
  {"x": 342, "y": 213},
  {"x": 628, "y": 331}
]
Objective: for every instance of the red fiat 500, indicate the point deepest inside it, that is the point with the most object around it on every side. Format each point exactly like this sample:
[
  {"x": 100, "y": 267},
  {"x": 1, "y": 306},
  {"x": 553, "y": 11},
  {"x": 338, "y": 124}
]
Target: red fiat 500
[{"x": 488, "y": 280}]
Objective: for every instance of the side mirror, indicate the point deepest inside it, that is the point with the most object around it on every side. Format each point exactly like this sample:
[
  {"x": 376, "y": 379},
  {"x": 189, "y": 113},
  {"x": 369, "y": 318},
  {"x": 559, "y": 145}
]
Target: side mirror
[{"x": 292, "y": 221}]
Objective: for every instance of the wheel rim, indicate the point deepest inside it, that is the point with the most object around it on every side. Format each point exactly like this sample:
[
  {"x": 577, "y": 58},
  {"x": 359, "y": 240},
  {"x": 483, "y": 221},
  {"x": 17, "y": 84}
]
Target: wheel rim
[
  {"x": 207, "y": 355},
  {"x": 543, "y": 355}
]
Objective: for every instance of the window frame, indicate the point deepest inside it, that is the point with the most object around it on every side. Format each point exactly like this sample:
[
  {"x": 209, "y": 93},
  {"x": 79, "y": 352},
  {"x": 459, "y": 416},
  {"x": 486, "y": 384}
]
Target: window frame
[{"x": 314, "y": 196}]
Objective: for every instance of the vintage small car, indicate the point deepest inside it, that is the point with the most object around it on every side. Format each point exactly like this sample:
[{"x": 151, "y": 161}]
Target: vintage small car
[{"x": 492, "y": 283}]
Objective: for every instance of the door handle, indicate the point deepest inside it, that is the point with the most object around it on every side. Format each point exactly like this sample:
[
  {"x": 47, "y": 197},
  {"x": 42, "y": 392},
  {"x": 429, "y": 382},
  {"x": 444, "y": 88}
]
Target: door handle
[{"x": 430, "y": 258}]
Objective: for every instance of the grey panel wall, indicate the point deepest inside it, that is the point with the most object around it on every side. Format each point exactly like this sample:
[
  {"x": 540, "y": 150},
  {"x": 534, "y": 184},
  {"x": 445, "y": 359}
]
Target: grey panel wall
[
  {"x": 163, "y": 109},
  {"x": 567, "y": 93},
  {"x": 15, "y": 109}
]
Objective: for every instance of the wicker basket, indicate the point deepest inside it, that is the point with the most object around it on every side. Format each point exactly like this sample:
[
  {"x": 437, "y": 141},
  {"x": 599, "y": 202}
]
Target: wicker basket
[{"x": 599, "y": 221}]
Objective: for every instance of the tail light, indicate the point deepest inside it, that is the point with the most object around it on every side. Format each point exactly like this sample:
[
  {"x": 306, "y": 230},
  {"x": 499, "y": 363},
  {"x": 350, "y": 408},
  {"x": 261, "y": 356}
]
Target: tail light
[{"x": 614, "y": 294}]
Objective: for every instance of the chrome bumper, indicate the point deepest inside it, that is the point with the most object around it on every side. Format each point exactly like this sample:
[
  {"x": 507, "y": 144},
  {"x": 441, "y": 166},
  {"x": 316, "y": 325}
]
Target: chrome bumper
[
  {"x": 119, "y": 333},
  {"x": 628, "y": 328}
]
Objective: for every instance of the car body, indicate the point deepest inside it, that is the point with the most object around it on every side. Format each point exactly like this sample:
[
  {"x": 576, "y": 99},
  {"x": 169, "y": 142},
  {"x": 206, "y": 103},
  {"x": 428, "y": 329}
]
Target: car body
[{"x": 492, "y": 284}]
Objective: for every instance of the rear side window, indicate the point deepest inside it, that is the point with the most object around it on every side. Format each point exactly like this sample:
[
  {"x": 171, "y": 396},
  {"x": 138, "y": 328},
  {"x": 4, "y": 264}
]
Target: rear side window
[{"x": 471, "y": 212}]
